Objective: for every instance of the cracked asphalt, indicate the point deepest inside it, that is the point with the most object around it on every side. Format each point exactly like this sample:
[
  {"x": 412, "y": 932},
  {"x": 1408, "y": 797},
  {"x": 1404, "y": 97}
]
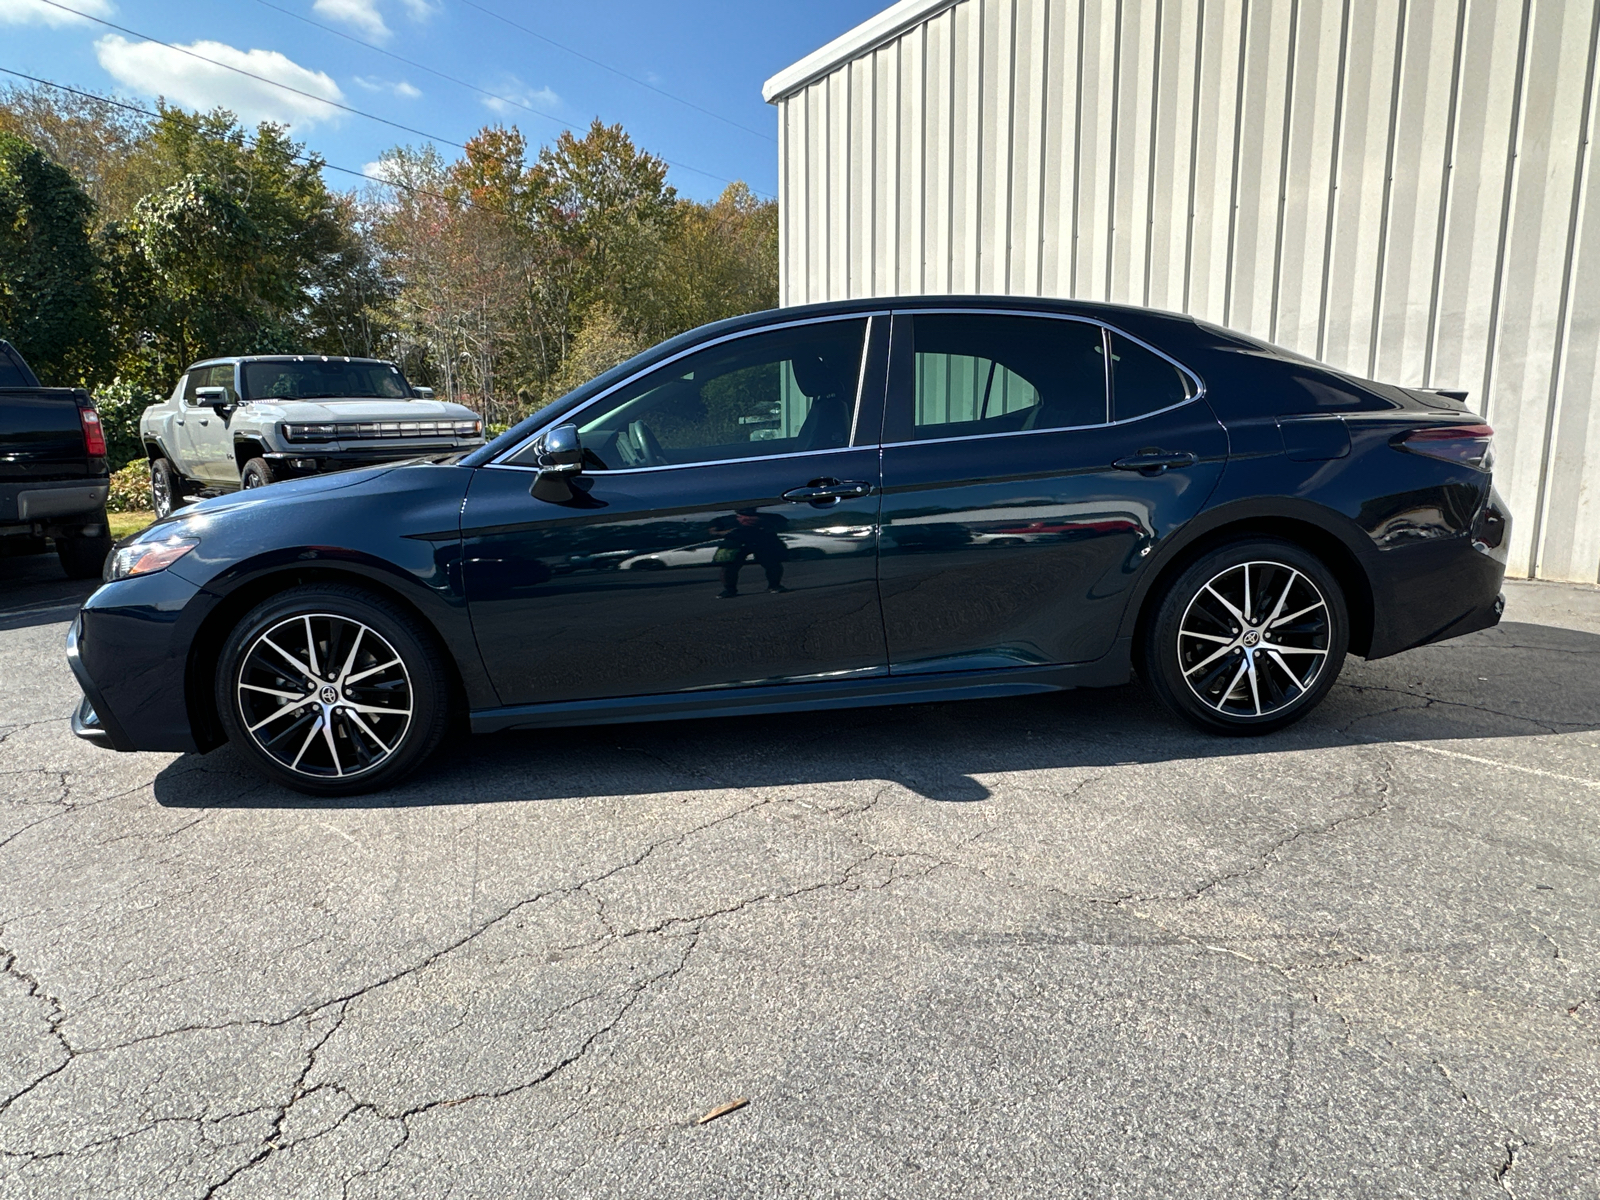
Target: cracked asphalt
[{"x": 1048, "y": 947}]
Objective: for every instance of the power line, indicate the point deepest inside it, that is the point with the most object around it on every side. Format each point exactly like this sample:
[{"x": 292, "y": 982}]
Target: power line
[
  {"x": 323, "y": 100},
  {"x": 253, "y": 75},
  {"x": 623, "y": 74},
  {"x": 309, "y": 159}
]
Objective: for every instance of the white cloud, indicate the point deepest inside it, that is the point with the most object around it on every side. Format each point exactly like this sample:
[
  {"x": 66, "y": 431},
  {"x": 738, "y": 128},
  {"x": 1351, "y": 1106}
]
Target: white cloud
[
  {"x": 360, "y": 14},
  {"x": 157, "y": 70},
  {"x": 32, "y": 12},
  {"x": 515, "y": 90},
  {"x": 402, "y": 88},
  {"x": 366, "y": 15}
]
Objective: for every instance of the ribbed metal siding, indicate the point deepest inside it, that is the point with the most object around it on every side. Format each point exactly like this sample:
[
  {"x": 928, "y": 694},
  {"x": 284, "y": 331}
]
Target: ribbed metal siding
[{"x": 1403, "y": 188}]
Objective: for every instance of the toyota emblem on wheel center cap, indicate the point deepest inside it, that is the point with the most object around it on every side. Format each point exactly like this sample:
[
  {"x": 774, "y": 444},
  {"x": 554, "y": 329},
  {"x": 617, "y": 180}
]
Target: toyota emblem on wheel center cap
[
  {"x": 1251, "y": 638},
  {"x": 329, "y": 693}
]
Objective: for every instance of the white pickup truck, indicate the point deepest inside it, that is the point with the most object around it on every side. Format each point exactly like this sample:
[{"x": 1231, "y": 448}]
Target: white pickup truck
[{"x": 245, "y": 422}]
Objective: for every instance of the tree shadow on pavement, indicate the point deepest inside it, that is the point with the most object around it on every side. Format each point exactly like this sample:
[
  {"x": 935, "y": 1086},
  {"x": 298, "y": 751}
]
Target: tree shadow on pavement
[{"x": 1514, "y": 681}]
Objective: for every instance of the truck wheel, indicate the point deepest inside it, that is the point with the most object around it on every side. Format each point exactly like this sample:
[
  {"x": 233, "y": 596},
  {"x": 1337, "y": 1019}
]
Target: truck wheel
[
  {"x": 331, "y": 690},
  {"x": 257, "y": 473},
  {"x": 84, "y": 557},
  {"x": 166, "y": 488}
]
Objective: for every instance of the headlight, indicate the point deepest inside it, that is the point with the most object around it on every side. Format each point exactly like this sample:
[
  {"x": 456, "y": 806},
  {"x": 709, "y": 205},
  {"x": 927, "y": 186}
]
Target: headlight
[
  {"x": 317, "y": 432},
  {"x": 469, "y": 428},
  {"x": 142, "y": 558}
]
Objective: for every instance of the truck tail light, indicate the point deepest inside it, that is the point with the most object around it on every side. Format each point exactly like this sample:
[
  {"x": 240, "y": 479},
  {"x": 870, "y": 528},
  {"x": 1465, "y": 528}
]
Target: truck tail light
[
  {"x": 1470, "y": 445},
  {"x": 94, "y": 437}
]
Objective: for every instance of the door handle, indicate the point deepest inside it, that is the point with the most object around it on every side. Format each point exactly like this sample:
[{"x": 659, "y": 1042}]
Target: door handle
[
  {"x": 1154, "y": 462},
  {"x": 827, "y": 491},
  {"x": 179, "y": 420}
]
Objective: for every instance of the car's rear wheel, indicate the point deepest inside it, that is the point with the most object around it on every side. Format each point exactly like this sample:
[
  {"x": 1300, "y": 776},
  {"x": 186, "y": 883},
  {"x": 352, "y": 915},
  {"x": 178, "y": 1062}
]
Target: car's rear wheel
[
  {"x": 84, "y": 556},
  {"x": 332, "y": 690},
  {"x": 1247, "y": 639},
  {"x": 257, "y": 473}
]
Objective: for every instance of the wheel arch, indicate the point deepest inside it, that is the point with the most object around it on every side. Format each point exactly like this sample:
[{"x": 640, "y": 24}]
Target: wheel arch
[
  {"x": 245, "y": 447},
  {"x": 1307, "y": 525},
  {"x": 206, "y": 646}
]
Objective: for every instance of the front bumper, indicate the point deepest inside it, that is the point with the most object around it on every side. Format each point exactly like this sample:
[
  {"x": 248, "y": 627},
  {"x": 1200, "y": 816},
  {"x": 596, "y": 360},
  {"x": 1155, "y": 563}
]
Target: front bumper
[{"x": 129, "y": 648}]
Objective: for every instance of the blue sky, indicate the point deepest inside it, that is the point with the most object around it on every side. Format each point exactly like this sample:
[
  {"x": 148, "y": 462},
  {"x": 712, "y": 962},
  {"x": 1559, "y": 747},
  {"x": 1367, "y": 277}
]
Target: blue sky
[{"x": 715, "y": 54}]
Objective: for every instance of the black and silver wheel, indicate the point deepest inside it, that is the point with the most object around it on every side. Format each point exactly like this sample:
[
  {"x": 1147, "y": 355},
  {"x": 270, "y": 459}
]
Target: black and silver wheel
[
  {"x": 257, "y": 473},
  {"x": 166, "y": 488},
  {"x": 331, "y": 690},
  {"x": 1248, "y": 639}
]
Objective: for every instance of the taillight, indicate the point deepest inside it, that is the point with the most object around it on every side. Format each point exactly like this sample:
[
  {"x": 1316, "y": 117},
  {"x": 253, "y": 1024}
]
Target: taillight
[
  {"x": 1470, "y": 445},
  {"x": 94, "y": 438}
]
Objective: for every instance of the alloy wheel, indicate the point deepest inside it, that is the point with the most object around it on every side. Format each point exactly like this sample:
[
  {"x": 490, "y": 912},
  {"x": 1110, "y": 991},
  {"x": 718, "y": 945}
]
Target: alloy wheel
[
  {"x": 324, "y": 695},
  {"x": 160, "y": 492},
  {"x": 1254, "y": 639}
]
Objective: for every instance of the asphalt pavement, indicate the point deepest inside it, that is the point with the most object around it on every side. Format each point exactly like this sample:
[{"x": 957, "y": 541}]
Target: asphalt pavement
[{"x": 1053, "y": 947}]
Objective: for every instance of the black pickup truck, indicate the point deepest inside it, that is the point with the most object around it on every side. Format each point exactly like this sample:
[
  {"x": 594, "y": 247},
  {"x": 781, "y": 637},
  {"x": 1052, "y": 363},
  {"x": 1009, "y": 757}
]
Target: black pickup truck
[{"x": 53, "y": 476}]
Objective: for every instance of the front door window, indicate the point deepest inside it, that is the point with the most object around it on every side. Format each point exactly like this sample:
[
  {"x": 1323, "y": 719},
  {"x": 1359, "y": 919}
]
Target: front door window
[{"x": 784, "y": 392}]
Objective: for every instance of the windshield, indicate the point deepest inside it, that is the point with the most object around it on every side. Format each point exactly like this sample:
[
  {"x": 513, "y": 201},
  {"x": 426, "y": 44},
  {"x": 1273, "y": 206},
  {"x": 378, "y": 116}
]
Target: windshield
[{"x": 316, "y": 380}]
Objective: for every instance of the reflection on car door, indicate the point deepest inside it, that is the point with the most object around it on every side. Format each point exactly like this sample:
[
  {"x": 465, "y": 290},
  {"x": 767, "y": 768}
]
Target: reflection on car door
[
  {"x": 1015, "y": 516},
  {"x": 680, "y": 563}
]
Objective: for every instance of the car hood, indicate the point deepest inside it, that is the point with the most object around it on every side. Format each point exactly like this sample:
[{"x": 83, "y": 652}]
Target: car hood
[
  {"x": 289, "y": 490},
  {"x": 354, "y": 409}
]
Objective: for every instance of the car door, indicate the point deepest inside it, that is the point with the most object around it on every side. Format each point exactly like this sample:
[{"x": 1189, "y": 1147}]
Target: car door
[
  {"x": 724, "y": 530},
  {"x": 1024, "y": 485},
  {"x": 206, "y": 441}
]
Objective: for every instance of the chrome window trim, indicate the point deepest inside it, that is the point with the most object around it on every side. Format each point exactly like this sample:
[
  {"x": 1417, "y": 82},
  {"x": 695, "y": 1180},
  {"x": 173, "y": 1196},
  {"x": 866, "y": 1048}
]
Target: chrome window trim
[
  {"x": 711, "y": 462},
  {"x": 973, "y": 437},
  {"x": 1106, "y": 330},
  {"x": 569, "y": 417}
]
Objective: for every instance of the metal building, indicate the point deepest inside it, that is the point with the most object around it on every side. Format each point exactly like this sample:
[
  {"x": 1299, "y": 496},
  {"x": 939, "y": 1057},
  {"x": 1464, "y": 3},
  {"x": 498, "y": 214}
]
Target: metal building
[{"x": 1403, "y": 188}]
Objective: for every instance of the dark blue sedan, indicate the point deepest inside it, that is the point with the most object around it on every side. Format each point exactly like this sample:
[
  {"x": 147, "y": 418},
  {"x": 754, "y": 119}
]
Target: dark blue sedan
[{"x": 847, "y": 504}]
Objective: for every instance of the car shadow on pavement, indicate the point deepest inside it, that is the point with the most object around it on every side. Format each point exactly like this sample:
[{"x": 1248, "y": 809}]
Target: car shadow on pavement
[
  {"x": 1514, "y": 681},
  {"x": 36, "y": 591}
]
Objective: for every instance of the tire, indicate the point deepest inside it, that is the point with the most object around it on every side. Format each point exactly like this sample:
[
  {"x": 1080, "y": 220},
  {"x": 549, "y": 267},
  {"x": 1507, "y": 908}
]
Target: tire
[
  {"x": 166, "y": 488},
  {"x": 330, "y": 740},
  {"x": 1239, "y": 677},
  {"x": 257, "y": 472},
  {"x": 85, "y": 557}
]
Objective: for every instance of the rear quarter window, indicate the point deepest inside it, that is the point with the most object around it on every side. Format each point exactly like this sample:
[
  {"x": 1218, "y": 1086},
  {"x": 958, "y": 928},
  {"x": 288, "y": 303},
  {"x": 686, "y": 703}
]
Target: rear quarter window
[{"x": 1142, "y": 381}]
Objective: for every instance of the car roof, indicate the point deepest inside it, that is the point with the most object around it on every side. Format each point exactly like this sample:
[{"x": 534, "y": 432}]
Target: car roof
[{"x": 250, "y": 358}]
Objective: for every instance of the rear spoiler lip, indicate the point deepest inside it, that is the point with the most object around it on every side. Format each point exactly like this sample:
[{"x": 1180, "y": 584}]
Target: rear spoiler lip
[{"x": 1457, "y": 394}]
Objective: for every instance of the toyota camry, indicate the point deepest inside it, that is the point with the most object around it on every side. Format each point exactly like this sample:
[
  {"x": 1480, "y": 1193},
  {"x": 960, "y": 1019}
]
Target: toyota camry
[{"x": 870, "y": 502}]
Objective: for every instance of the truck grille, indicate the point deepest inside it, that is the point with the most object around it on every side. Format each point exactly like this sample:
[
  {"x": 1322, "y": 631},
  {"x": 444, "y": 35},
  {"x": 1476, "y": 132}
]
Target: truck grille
[{"x": 326, "y": 431}]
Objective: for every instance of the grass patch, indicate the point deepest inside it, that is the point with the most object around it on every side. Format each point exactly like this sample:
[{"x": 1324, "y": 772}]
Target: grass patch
[{"x": 125, "y": 523}]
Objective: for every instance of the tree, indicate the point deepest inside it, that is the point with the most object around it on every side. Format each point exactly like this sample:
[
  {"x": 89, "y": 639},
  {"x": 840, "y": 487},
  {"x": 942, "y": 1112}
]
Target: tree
[
  {"x": 50, "y": 286},
  {"x": 96, "y": 140},
  {"x": 239, "y": 249}
]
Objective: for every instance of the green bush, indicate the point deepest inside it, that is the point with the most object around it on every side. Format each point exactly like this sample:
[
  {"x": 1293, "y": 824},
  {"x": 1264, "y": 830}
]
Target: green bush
[
  {"x": 130, "y": 488},
  {"x": 121, "y": 403}
]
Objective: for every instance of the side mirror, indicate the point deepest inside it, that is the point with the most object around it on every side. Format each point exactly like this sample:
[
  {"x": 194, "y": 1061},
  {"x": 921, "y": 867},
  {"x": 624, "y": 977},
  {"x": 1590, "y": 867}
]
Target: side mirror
[
  {"x": 214, "y": 398},
  {"x": 422, "y": 393},
  {"x": 560, "y": 459}
]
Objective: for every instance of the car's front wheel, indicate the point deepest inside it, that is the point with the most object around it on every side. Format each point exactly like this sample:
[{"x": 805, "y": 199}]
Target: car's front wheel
[
  {"x": 332, "y": 690},
  {"x": 1248, "y": 639},
  {"x": 257, "y": 473},
  {"x": 166, "y": 488}
]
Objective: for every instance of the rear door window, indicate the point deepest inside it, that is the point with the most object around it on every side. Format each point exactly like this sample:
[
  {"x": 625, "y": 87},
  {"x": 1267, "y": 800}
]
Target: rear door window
[{"x": 979, "y": 374}]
